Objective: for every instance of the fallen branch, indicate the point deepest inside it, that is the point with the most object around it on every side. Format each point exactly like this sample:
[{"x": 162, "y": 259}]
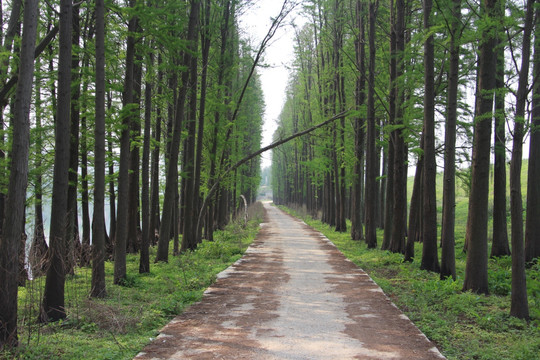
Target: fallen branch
[{"x": 255, "y": 154}]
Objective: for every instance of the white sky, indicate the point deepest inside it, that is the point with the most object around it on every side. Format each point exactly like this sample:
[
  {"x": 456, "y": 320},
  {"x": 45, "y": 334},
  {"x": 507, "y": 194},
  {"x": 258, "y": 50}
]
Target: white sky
[{"x": 254, "y": 24}]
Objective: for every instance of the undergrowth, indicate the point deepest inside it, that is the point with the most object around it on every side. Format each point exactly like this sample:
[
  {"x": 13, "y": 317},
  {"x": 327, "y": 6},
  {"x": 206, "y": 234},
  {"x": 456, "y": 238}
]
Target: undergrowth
[
  {"x": 120, "y": 325},
  {"x": 464, "y": 325}
]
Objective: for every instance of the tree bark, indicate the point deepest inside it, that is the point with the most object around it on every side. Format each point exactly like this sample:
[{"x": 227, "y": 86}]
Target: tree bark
[
  {"x": 144, "y": 263},
  {"x": 133, "y": 223},
  {"x": 98, "y": 244},
  {"x": 18, "y": 181},
  {"x": 154, "y": 168},
  {"x": 476, "y": 277},
  {"x": 125, "y": 154},
  {"x": 72, "y": 236},
  {"x": 53, "y": 297},
  {"x": 188, "y": 238},
  {"x": 532, "y": 226},
  {"x": 499, "y": 245},
  {"x": 519, "y": 306},
  {"x": 448, "y": 257},
  {"x": 371, "y": 156},
  {"x": 416, "y": 211},
  {"x": 430, "y": 260},
  {"x": 357, "y": 231},
  {"x": 167, "y": 220},
  {"x": 38, "y": 249}
]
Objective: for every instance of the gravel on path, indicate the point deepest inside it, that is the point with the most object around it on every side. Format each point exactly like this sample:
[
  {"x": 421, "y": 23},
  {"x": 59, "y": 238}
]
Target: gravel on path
[{"x": 292, "y": 296}]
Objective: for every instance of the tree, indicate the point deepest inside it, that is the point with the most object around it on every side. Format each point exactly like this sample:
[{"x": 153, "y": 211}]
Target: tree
[
  {"x": 144, "y": 263},
  {"x": 519, "y": 306},
  {"x": 399, "y": 212},
  {"x": 430, "y": 259},
  {"x": 98, "y": 245},
  {"x": 38, "y": 249},
  {"x": 476, "y": 278},
  {"x": 188, "y": 238},
  {"x": 448, "y": 263},
  {"x": 371, "y": 156},
  {"x": 125, "y": 152},
  {"x": 532, "y": 225},
  {"x": 357, "y": 232},
  {"x": 167, "y": 219},
  {"x": 18, "y": 181},
  {"x": 499, "y": 245},
  {"x": 53, "y": 297}
]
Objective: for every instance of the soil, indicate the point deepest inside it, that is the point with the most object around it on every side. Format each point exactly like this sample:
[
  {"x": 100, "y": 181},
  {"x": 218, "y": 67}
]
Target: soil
[{"x": 292, "y": 296}]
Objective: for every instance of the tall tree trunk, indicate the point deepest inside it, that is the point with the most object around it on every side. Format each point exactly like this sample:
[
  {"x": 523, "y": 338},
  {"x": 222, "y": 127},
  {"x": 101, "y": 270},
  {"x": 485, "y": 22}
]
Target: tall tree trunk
[
  {"x": 476, "y": 278},
  {"x": 519, "y": 306},
  {"x": 532, "y": 226},
  {"x": 399, "y": 218},
  {"x": 390, "y": 153},
  {"x": 85, "y": 192},
  {"x": 357, "y": 232},
  {"x": 448, "y": 257},
  {"x": 52, "y": 308},
  {"x": 18, "y": 181},
  {"x": 172, "y": 169},
  {"x": 144, "y": 263},
  {"x": 38, "y": 249},
  {"x": 371, "y": 156},
  {"x": 98, "y": 244},
  {"x": 154, "y": 192},
  {"x": 416, "y": 211},
  {"x": 500, "y": 246},
  {"x": 134, "y": 228},
  {"x": 430, "y": 260},
  {"x": 387, "y": 192},
  {"x": 188, "y": 238},
  {"x": 11, "y": 31},
  {"x": 72, "y": 236},
  {"x": 125, "y": 153},
  {"x": 112, "y": 196},
  {"x": 205, "y": 44}
]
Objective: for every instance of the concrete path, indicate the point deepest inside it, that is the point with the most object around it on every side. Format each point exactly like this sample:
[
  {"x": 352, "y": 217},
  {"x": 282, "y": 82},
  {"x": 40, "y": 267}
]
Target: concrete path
[{"x": 292, "y": 296}]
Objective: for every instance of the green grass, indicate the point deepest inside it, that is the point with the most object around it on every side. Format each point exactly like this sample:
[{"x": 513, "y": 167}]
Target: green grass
[
  {"x": 119, "y": 326},
  {"x": 464, "y": 325}
]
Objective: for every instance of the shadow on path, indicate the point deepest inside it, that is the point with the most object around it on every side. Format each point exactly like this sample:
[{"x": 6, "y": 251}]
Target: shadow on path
[{"x": 292, "y": 296}]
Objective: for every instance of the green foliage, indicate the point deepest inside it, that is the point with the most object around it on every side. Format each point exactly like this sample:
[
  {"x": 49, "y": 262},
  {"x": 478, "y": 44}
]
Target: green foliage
[{"x": 119, "y": 326}]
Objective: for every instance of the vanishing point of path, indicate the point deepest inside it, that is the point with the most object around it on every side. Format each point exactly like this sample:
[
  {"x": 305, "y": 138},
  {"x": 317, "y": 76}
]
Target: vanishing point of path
[{"x": 292, "y": 296}]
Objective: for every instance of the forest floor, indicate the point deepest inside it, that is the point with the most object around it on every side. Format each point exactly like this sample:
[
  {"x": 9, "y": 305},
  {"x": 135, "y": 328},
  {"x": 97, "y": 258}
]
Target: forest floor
[{"x": 292, "y": 296}]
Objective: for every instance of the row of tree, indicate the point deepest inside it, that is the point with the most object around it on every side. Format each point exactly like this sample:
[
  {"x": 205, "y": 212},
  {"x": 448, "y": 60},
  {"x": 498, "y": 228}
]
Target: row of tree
[
  {"x": 408, "y": 71},
  {"x": 148, "y": 103}
]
